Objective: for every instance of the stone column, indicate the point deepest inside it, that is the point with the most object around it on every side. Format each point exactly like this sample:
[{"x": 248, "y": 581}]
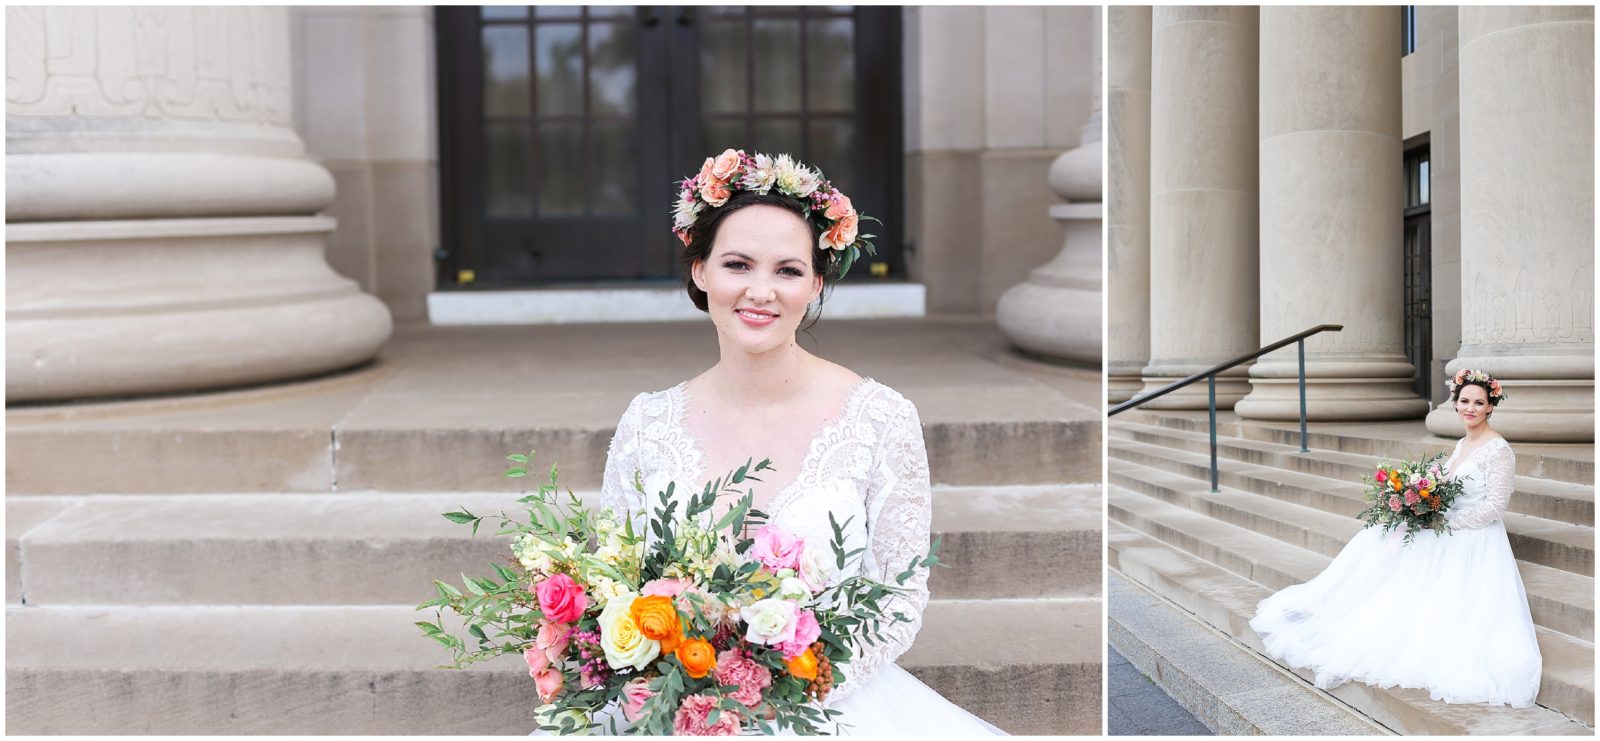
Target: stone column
[
  {"x": 1203, "y": 199},
  {"x": 1331, "y": 197},
  {"x": 1056, "y": 312},
  {"x": 1128, "y": 203},
  {"x": 1527, "y": 218},
  {"x": 162, "y": 229}
]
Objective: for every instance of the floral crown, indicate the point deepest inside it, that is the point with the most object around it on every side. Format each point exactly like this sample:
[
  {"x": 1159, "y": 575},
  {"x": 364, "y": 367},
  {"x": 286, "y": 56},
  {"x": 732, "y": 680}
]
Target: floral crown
[
  {"x": 733, "y": 171},
  {"x": 1466, "y": 375}
]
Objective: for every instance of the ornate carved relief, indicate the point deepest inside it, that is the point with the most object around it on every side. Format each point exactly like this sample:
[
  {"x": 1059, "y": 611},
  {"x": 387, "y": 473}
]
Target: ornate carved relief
[{"x": 186, "y": 64}]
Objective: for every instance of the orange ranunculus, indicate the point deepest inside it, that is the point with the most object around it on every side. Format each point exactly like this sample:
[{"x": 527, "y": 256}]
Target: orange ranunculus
[
  {"x": 697, "y": 656},
  {"x": 803, "y": 666},
  {"x": 657, "y": 619},
  {"x": 1396, "y": 482}
]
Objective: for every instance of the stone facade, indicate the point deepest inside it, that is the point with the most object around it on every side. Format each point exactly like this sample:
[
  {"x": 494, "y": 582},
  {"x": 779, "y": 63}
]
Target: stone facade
[{"x": 1275, "y": 199}]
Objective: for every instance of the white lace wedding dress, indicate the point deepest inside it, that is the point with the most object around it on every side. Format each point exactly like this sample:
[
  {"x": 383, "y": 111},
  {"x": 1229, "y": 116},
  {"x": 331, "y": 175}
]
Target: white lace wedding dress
[
  {"x": 869, "y": 466},
  {"x": 1446, "y": 613}
]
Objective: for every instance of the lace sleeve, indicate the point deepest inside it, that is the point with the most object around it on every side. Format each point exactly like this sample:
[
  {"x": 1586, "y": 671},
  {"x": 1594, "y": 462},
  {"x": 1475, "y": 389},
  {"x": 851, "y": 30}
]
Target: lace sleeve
[
  {"x": 623, "y": 461},
  {"x": 899, "y": 516},
  {"x": 1501, "y": 468}
]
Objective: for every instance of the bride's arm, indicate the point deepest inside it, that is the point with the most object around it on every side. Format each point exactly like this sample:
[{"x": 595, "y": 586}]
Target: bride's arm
[
  {"x": 623, "y": 461},
  {"x": 1501, "y": 468},
  {"x": 899, "y": 515}
]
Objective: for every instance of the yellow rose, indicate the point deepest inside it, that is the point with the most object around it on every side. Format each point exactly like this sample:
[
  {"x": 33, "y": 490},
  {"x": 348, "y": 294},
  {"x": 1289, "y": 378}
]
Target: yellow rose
[{"x": 620, "y": 637}]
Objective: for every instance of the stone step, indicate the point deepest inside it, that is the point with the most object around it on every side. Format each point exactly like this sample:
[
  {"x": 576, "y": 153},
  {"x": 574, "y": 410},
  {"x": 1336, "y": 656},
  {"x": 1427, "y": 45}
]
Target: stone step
[
  {"x": 1226, "y": 686},
  {"x": 1226, "y": 601},
  {"x": 316, "y": 549},
  {"x": 1553, "y": 500},
  {"x": 1560, "y": 600},
  {"x": 368, "y": 670},
  {"x": 1572, "y": 463},
  {"x": 1568, "y": 679},
  {"x": 1559, "y": 545}
]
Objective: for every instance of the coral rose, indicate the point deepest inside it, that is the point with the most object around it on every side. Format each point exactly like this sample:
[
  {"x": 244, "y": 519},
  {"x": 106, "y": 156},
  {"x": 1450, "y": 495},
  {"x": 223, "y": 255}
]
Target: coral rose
[
  {"x": 697, "y": 656},
  {"x": 841, "y": 235},
  {"x": 726, "y": 165},
  {"x": 803, "y": 666},
  {"x": 715, "y": 192},
  {"x": 839, "y": 206},
  {"x": 549, "y": 683},
  {"x": 561, "y": 599},
  {"x": 657, "y": 619}
]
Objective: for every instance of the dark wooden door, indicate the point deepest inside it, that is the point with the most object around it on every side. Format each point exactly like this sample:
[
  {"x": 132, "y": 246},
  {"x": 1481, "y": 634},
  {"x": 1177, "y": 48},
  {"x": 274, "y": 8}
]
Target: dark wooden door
[{"x": 564, "y": 129}]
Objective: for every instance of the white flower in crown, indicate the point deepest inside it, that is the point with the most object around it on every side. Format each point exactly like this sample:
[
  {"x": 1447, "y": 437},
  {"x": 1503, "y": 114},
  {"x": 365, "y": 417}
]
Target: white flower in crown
[
  {"x": 794, "y": 179},
  {"x": 760, "y": 177},
  {"x": 686, "y": 211}
]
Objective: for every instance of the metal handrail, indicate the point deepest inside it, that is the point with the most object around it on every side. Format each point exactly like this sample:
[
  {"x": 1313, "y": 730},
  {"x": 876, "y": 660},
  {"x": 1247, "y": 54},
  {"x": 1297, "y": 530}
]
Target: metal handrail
[{"x": 1210, "y": 374}]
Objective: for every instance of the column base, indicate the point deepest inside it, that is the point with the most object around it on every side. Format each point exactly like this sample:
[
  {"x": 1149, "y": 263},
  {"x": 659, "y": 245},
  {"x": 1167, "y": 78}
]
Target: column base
[
  {"x": 1052, "y": 322},
  {"x": 1232, "y": 385},
  {"x": 1338, "y": 389},
  {"x": 124, "y": 308}
]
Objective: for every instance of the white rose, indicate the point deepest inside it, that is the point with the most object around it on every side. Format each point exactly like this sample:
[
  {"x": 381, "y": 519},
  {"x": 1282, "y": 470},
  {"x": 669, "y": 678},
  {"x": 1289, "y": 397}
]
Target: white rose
[
  {"x": 794, "y": 589},
  {"x": 770, "y": 621},
  {"x": 818, "y": 566},
  {"x": 546, "y": 715},
  {"x": 620, "y": 637}
]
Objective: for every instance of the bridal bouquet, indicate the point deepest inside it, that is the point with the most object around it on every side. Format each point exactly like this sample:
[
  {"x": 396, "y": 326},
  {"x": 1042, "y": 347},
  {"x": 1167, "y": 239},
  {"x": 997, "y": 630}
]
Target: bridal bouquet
[
  {"x": 702, "y": 626},
  {"x": 1411, "y": 496}
]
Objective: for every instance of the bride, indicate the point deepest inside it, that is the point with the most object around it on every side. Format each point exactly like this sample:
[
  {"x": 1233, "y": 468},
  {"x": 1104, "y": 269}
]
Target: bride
[
  {"x": 762, "y": 237},
  {"x": 1446, "y": 613}
]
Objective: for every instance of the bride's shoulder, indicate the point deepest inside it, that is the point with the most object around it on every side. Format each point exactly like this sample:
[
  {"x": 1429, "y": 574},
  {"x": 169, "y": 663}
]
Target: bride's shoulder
[{"x": 648, "y": 405}]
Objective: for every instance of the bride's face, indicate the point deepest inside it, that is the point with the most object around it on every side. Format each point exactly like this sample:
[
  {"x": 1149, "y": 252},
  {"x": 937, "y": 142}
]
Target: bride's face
[
  {"x": 758, "y": 278},
  {"x": 1472, "y": 404}
]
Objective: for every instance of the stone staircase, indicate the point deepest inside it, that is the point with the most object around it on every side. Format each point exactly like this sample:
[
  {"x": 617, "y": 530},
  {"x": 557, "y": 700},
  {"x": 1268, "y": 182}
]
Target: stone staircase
[
  {"x": 200, "y": 565},
  {"x": 1280, "y": 516}
]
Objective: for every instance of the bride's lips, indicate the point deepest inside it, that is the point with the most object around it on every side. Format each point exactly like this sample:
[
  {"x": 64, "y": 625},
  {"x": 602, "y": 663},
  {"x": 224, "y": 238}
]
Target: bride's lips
[{"x": 756, "y": 317}]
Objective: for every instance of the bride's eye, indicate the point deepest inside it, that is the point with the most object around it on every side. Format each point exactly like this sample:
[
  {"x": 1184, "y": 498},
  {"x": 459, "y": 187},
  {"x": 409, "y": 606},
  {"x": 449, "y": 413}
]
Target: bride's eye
[
  {"x": 792, "y": 272},
  {"x": 736, "y": 265}
]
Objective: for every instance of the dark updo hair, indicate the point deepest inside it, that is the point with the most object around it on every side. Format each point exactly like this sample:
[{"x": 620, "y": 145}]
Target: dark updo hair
[{"x": 704, "y": 234}]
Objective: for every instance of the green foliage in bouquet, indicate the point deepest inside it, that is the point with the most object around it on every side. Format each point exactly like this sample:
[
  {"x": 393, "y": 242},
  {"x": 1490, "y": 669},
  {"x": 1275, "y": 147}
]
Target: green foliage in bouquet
[
  {"x": 606, "y": 615},
  {"x": 1413, "y": 494}
]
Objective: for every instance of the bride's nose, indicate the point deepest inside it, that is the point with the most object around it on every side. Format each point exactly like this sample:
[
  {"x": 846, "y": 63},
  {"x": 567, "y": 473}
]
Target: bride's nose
[{"x": 761, "y": 291}]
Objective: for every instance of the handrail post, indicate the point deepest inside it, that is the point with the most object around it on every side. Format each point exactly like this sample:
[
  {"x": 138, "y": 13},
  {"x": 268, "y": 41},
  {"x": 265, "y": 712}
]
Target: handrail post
[
  {"x": 1302, "y": 347},
  {"x": 1211, "y": 406}
]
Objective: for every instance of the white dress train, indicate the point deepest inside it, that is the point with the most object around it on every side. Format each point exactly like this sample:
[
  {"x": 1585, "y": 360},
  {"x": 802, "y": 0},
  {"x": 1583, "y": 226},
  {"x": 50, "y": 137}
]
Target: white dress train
[
  {"x": 870, "y": 467},
  {"x": 1447, "y": 613}
]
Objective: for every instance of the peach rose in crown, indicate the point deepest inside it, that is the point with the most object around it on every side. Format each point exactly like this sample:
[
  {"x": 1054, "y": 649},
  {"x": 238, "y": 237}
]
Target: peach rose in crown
[
  {"x": 841, "y": 235},
  {"x": 726, "y": 165},
  {"x": 714, "y": 192}
]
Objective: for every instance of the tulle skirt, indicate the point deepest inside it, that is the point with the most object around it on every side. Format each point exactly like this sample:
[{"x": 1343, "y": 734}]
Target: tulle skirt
[
  {"x": 1447, "y": 614},
  {"x": 893, "y": 703}
]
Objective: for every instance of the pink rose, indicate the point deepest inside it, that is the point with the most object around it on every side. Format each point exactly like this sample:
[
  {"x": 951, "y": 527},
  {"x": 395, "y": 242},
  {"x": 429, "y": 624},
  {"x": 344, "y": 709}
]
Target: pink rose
[
  {"x": 549, "y": 683},
  {"x": 715, "y": 192},
  {"x": 561, "y": 599},
  {"x": 1382, "y": 476},
  {"x": 839, "y": 207},
  {"x": 726, "y": 165},
  {"x": 692, "y": 714},
  {"x": 1394, "y": 503},
  {"x": 553, "y": 638},
  {"x": 777, "y": 548},
  {"x": 735, "y": 667},
  {"x": 537, "y": 661},
  {"x": 665, "y": 587},
  {"x": 841, "y": 235},
  {"x": 634, "y": 695},
  {"x": 806, "y": 632}
]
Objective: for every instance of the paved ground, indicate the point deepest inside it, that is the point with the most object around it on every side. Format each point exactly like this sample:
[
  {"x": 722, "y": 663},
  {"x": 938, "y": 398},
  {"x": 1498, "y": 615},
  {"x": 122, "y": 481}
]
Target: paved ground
[{"x": 1137, "y": 707}]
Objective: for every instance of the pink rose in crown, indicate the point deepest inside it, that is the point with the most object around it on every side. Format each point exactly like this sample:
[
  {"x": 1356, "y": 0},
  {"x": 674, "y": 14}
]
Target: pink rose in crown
[
  {"x": 715, "y": 192},
  {"x": 549, "y": 683},
  {"x": 806, "y": 632},
  {"x": 634, "y": 695},
  {"x": 692, "y": 715},
  {"x": 561, "y": 599},
  {"x": 777, "y": 548},
  {"x": 726, "y": 165}
]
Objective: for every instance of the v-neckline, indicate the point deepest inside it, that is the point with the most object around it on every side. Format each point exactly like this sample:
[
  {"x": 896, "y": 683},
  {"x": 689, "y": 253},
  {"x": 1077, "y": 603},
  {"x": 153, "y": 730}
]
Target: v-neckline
[
  {"x": 1451, "y": 466},
  {"x": 680, "y": 412}
]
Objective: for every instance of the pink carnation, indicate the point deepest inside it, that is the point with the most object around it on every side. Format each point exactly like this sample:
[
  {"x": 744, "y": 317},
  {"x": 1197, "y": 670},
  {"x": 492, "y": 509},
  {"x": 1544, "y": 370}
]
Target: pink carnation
[
  {"x": 806, "y": 632},
  {"x": 692, "y": 714},
  {"x": 1412, "y": 497},
  {"x": 737, "y": 668},
  {"x": 777, "y": 548},
  {"x": 1394, "y": 503}
]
